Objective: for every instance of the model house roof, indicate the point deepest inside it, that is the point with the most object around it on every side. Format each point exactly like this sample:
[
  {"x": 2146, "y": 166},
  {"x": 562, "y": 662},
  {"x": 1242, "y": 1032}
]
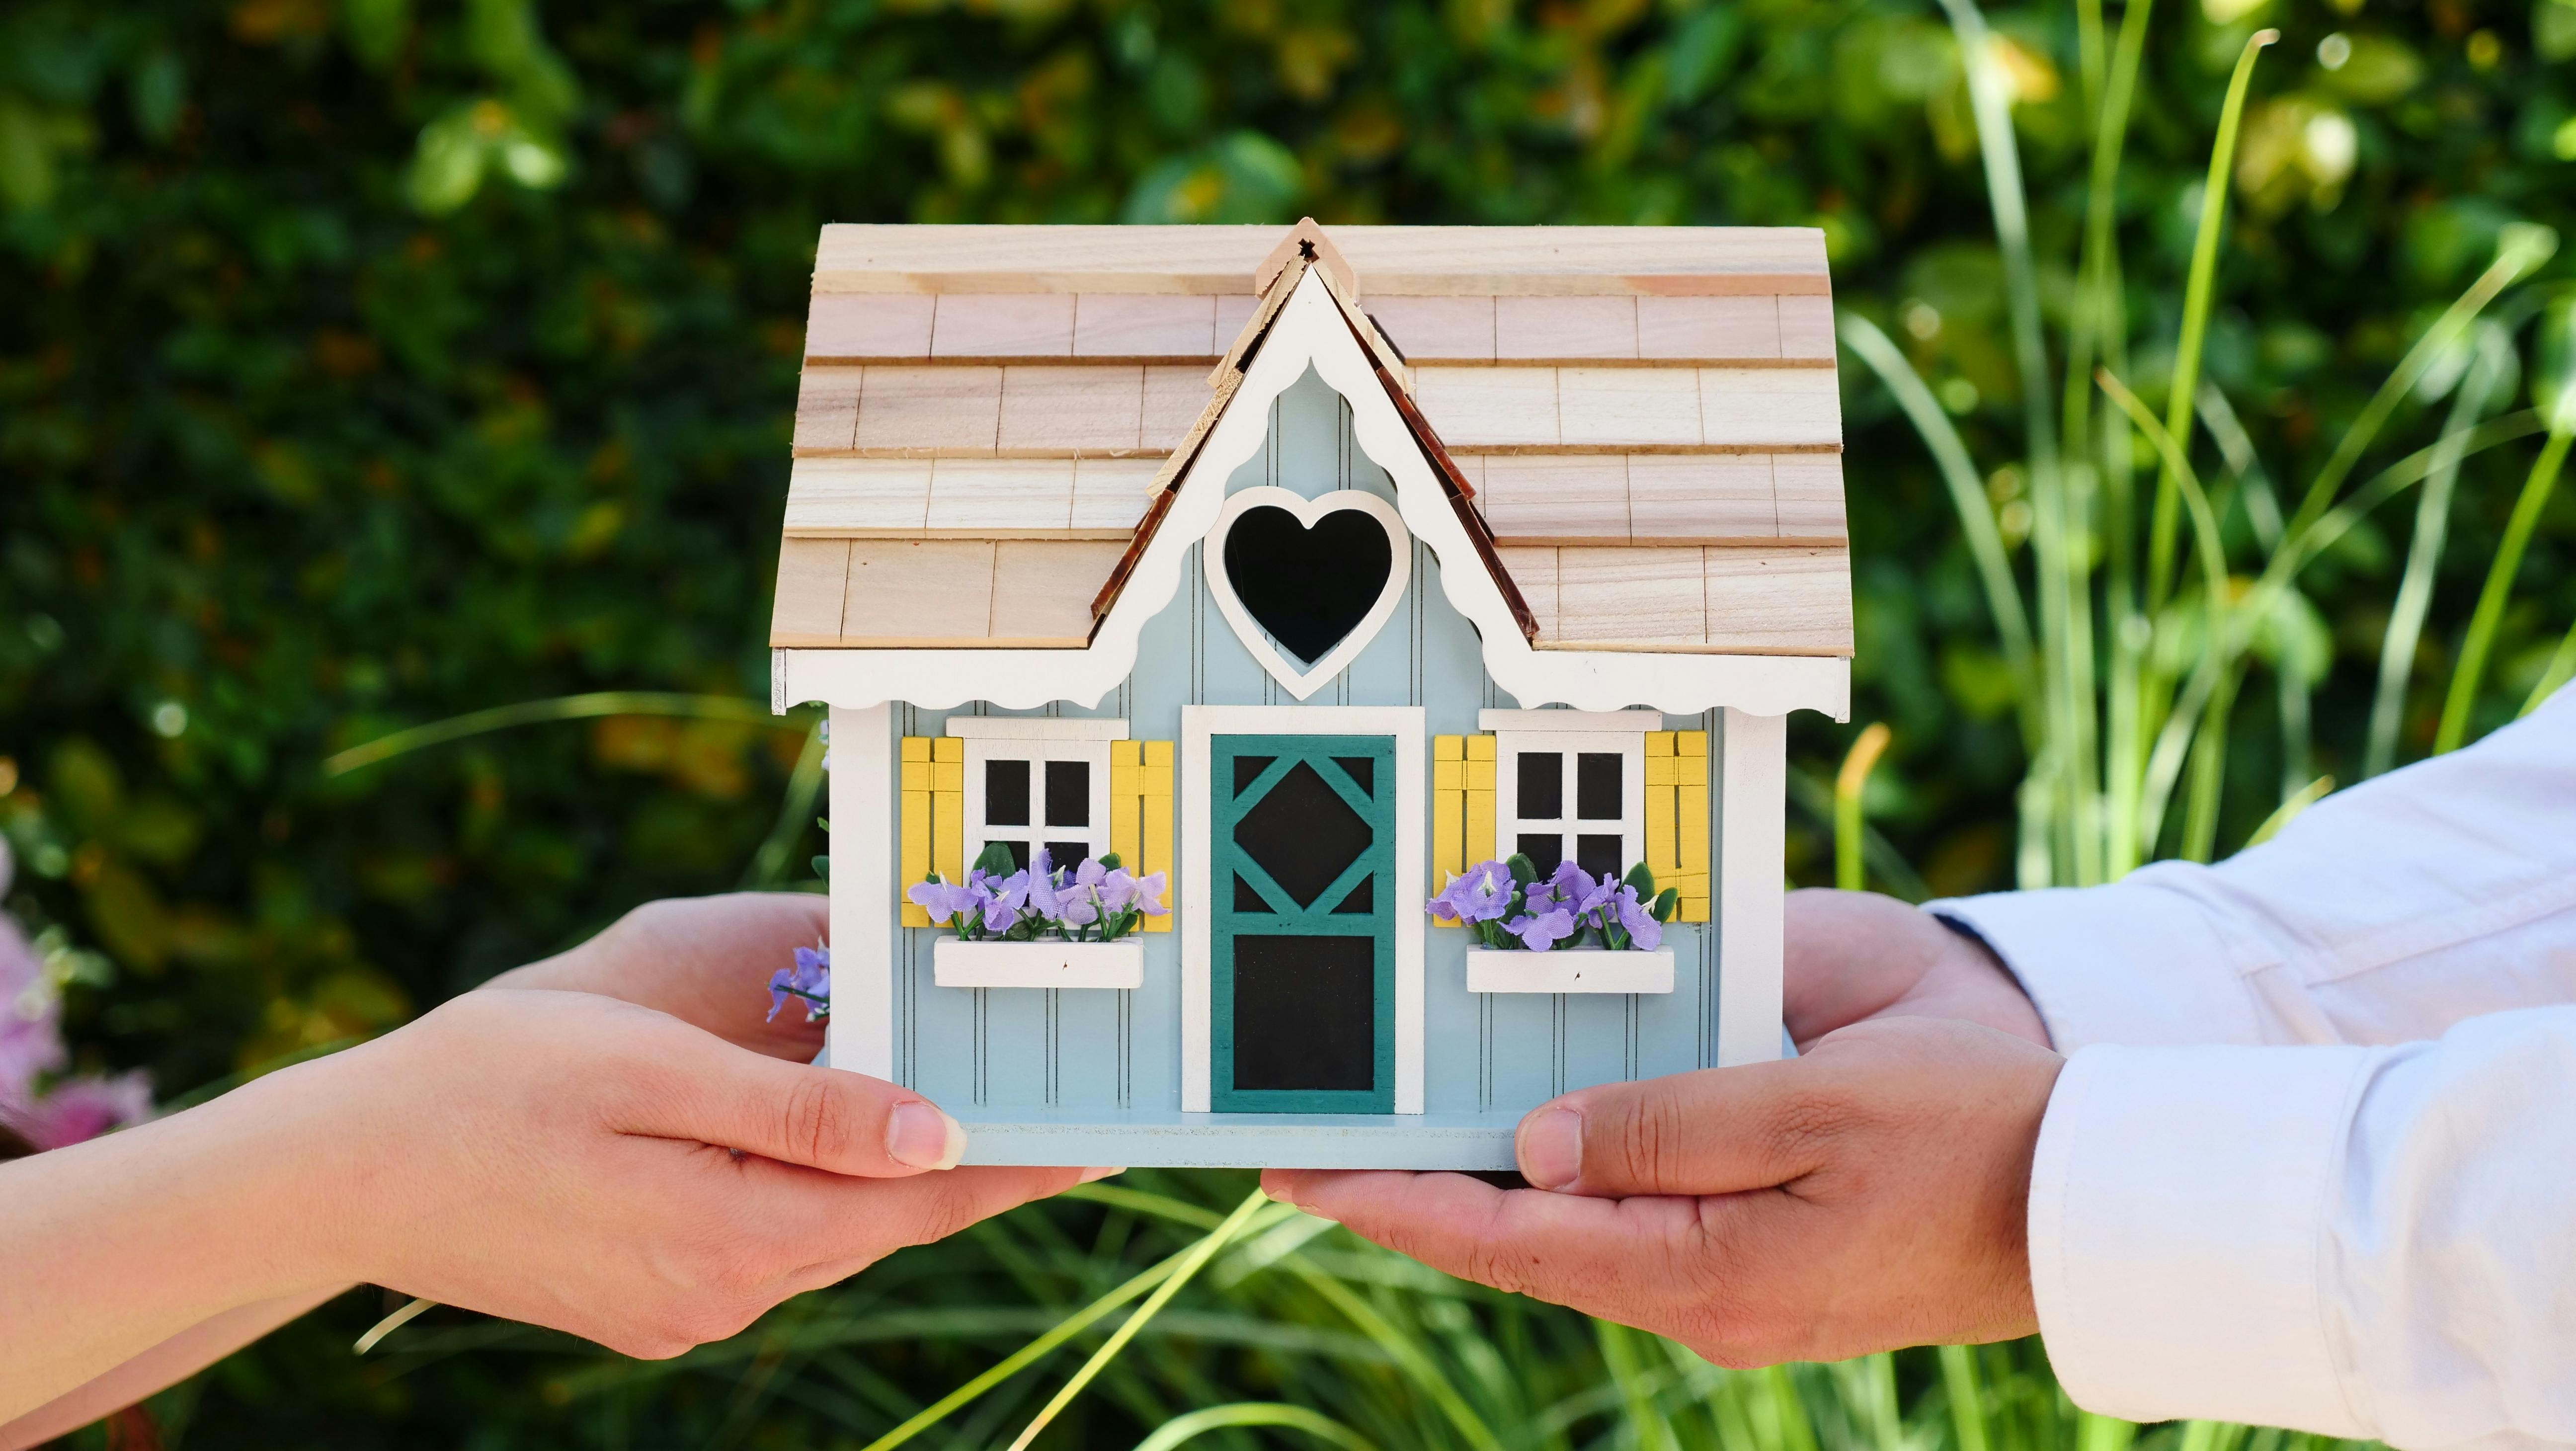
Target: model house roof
[{"x": 1643, "y": 422}]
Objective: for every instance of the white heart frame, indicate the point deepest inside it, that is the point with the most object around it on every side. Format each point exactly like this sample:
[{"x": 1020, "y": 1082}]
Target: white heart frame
[{"x": 1304, "y": 683}]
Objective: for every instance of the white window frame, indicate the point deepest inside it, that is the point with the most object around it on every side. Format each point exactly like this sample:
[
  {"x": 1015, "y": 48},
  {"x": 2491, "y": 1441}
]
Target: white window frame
[
  {"x": 1569, "y": 734},
  {"x": 1036, "y": 740}
]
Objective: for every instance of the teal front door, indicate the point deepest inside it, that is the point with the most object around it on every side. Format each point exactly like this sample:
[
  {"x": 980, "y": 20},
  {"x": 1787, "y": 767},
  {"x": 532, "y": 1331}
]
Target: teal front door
[{"x": 1302, "y": 937}]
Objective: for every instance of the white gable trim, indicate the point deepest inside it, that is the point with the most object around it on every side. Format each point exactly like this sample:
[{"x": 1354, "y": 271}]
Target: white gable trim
[{"x": 1310, "y": 330}]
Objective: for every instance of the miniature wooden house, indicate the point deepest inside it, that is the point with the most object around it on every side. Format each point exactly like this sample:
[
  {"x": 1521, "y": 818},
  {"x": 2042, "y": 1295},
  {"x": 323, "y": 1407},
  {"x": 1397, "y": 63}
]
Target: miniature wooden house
[{"x": 1309, "y": 571}]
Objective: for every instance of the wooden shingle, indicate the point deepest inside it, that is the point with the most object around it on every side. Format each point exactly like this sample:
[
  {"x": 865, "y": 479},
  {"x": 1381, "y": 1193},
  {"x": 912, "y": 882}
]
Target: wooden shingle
[
  {"x": 1082, "y": 409},
  {"x": 1701, "y": 328},
  {"x": 1555, "y": 328},
  {"x": 1556, "y": 498},
  {"x": 1007, "y": 325},
  {"x": 869, "y": 325},
  {"x": 1776, "y": 406},
  {"x": 931, "y": 410},
  {"x": 1695, "y": 498},
  {"x": 1810, "y": 490},
  {"x": 1779, "y": 601},
  {"x": 813, "y": 577},
  {"x": 827, "y": 407}
]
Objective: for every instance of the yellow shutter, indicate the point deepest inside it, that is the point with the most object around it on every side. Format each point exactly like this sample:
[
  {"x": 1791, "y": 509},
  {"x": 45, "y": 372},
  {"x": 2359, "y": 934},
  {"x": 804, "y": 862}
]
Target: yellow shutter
[
  {"x": 1462, "y": 805},
  {"x": 916, "y": 855},
  {"x": 948, "y": 808},
  {"x": 1448, "y": 810},
  {"x": 1677, "y": 818},
  {"x": 1479, "y": 846},
  {"x": 1690, "y": 822},
  {"x": 1154, "y": 808}
]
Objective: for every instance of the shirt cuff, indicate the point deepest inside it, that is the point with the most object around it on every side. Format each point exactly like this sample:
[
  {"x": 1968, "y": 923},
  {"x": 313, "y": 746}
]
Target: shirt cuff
[
  {"x": 2128, "y": 963},
  {"x": 2178, "y": 1204}
]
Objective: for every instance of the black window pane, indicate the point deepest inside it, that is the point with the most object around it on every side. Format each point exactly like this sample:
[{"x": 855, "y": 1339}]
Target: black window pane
[
  {"x": 1362, "y": 901},
  {"x": 1596, "y": 786},
  {"x": 1019, "y": 852},
  {"x": 1362, "y": 771},
  {"x": 1303, "y": 834},
  {"x": 1248, "y": 769},
  {"x": 1542, "y": 786},
  {"x": 1071, "y": 853},
  {"x": 1006, "y": 793},
  {"x": 1598, "y": 855},
  {"x": 1068, "y": 798},
  {"x": 1246, "y": 897},
  {"x": 1305, "y": 1012},
  {"x": 1544, "y": 851}
]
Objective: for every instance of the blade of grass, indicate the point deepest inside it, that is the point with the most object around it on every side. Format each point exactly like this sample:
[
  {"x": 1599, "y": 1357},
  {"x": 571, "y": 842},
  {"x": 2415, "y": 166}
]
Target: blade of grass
[
  {"x": 1191, "y": 1262},
  {"x": 1849, "y": 783},
  {"x": 2197, "y": 291},
  {"x": 2415, "y": 585},
  {"x": 1967, "y": 1397},
  {"x": 1967, "y": 499},
  {"x": 2523, "y": 248},
  {"x": 768, "y": 866},
  {"x": 562, "y": 707},
  {"x": 2536, "y": 488},
  {"x": 1895, "y": 874},
  {"x": 2562, "y": 668},
  {"x": 2288, "y": 811},
  {"x": 1029, "y": 1354},
  {"x": 1254, "y": 1413}
]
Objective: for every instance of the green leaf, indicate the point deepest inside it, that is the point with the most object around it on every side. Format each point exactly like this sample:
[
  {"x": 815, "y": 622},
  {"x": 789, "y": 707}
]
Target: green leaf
[
  {"x": 995, "y": 860},
  {"x": 1523, "y": 871},
  {"x": 823, "y": 867},
  {"x": 1109, "y": 861},
  {"x": 1667, "y": 902},
  {"x": 1641, "y": 878}
]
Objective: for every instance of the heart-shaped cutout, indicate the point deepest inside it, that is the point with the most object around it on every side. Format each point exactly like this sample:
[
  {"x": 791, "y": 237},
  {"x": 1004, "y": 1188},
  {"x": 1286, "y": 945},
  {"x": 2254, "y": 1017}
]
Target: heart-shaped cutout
[{"x": 1315, "y": 577}]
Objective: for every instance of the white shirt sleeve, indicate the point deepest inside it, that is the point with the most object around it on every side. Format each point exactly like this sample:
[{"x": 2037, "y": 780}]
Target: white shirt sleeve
[
  {"x": 2347, "y": 1237},
  {"x": 2383, "y": 914},
  {"x": 2357, "y": 1241}
]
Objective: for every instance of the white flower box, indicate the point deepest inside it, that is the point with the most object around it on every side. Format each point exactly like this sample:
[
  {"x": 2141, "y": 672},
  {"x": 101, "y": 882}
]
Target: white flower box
[
  {"x": 1043, "y": 963},
  {"x": 1574, "y": 970}
]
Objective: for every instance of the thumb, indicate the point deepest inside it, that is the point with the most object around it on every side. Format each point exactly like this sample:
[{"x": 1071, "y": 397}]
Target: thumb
[
  {"x": 796, "y": 1113},
  {"x": 1716, "y": 1131}
]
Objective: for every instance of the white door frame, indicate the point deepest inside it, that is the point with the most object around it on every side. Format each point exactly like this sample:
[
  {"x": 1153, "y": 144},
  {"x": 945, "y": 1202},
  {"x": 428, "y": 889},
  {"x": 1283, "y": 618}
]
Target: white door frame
[{"x": 1199, "y": 723}]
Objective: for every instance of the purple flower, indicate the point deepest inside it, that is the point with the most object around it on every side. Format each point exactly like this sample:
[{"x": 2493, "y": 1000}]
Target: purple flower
[
  {"x": 1481, "y": 894},
  {"x": 1045, "y": 895},
  {"x": 1539, "y": 931},
  {"x": 1575, "y": 887},
  {"x": 79, "y": 1109},
  {"x": 1637, "y": 919},
  {"x": 944, "y": 901},
  {"x": 1148, "y": 897},
  {"x": 809, "y": 982},
  {"x": 1001, "y": 900}
]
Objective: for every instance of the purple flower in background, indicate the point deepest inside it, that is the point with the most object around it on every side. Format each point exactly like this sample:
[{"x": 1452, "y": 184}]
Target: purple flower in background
[
  {"x": 80, "y": 1109},
  {"x": 1045, "y": 896},
  {"x": 1539, "y": 931},
  {"x": 1637, "y": 919},
  {"x": 31, "y": 1046},
  {"x": 809, "y": 982},
  {"x": 1481, "y": 894},
  {"x": 1148, "y": 897}
]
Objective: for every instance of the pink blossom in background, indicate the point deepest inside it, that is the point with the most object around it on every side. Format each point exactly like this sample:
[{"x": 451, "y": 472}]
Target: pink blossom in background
[{"x": 31, "y": 1046}]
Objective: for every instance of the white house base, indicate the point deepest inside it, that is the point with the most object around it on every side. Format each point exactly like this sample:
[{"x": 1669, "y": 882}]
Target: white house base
[{"x": 1454, "y": 1141}]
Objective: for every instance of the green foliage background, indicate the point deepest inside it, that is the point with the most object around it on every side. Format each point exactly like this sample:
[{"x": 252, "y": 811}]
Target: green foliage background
[{"x": 364, "y": 363}]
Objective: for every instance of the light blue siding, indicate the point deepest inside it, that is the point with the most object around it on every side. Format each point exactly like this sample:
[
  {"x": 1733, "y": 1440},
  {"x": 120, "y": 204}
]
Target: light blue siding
[{"x": 1048, "y": 1073}]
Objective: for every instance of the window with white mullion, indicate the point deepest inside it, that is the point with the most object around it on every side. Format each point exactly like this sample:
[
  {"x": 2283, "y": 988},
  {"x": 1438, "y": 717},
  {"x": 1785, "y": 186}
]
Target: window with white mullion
[
  {"x": 1026, "y": 794},
  {"x": 1576, "y": 796}
]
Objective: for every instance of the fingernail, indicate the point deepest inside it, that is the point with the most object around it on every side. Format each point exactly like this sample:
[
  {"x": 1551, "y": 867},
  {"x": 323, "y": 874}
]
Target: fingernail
[
  {"x": 919, "y": 1135},
  {"x": 1551, "y": 1147},
  {"x": 1089, "y": 1175}
]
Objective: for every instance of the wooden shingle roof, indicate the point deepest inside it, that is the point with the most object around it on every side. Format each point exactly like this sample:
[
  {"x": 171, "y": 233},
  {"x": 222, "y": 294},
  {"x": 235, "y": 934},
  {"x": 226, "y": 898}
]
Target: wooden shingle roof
[{"x": 1646, "y": 417}]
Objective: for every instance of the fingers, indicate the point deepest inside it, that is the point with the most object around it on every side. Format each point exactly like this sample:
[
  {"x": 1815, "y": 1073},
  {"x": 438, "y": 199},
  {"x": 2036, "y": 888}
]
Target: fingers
[
  {"x": 795, "y": 1113},
  {"x": 857, "y": 1224},
  {"x": 1628, "y": 1259},
  {"x": 703, "y": 960},
  {"x": 1717, "y": 1131}
]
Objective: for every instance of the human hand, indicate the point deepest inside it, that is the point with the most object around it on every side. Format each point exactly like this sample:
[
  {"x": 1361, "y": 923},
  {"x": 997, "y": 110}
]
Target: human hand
[
  {"x": 1855, "y": 956},
  {"x": 703, "y": 960},
  {"x": 1870, "y": 1194},
  {"x": 595, "y": 1166}
]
